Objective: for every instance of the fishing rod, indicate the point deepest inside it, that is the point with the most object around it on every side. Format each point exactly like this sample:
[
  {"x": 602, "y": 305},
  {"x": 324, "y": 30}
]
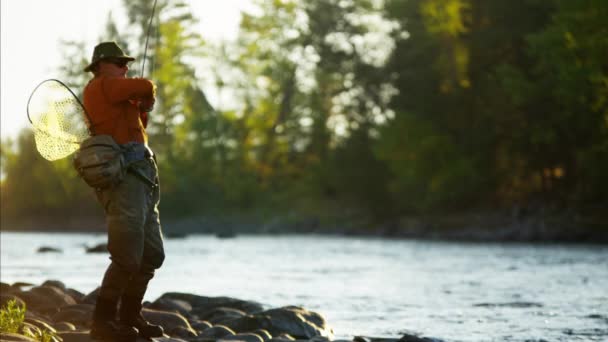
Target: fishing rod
[
  {"x": 143, "y": 63},
  {"x": 58, "y": 117}
]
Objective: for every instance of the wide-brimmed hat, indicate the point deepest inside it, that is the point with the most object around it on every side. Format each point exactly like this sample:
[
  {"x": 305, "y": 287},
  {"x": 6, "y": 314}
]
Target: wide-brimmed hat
[{"x": 107, "y": 50}]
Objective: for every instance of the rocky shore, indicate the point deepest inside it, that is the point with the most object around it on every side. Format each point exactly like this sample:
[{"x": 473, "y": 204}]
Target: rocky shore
[{"x": 55, "y": 312}]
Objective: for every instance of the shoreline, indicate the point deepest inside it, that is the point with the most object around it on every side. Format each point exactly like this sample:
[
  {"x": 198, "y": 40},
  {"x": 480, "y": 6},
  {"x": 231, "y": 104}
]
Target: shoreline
[
  {"x": 478, "y": 228},
  {"x": 65, "y": 314}
]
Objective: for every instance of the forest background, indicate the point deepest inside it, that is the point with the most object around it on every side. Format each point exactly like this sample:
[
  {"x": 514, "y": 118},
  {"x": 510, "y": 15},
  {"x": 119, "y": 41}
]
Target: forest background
[{"x": 359, "y": 115}]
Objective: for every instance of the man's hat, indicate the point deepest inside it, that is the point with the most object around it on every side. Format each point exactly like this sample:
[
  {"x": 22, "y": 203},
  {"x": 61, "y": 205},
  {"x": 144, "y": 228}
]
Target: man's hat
[{"x": 107, "y": 50}]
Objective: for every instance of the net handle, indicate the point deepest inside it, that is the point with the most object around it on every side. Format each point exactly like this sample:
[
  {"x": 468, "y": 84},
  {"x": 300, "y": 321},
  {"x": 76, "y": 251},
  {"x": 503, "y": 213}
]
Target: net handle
[{"x": 89, "y": 127}]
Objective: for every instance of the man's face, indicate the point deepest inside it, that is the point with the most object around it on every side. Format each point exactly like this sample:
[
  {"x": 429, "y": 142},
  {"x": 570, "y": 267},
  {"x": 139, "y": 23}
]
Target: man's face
[{"x": 114, "y": 68}]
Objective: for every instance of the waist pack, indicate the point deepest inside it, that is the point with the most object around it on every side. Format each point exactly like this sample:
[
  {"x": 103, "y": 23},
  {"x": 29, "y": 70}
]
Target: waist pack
[{"x": 100, "y": 162}]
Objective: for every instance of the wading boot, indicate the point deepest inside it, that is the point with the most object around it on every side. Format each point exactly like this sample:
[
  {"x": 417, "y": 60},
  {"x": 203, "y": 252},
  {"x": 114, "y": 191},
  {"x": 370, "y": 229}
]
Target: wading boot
[
  {"x": 130, "y": 314},
  {"x": 106, "y": 328}
]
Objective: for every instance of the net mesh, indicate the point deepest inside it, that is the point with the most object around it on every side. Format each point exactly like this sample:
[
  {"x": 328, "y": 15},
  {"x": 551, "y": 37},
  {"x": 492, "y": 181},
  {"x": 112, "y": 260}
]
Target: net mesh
[{"x": 58, "y": 119}]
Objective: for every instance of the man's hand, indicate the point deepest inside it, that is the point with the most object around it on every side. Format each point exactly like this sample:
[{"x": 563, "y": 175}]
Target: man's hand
[{"x": 147, "y": 105}]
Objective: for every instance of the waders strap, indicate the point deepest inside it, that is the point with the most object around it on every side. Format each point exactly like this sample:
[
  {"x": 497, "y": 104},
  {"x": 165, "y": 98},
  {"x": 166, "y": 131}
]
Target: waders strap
[{"x": 137, "y": 173}]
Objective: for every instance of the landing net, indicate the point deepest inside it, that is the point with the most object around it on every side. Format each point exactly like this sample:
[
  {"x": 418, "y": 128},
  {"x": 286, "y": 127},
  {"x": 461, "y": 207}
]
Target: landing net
[{"x": 58, "y": 119}]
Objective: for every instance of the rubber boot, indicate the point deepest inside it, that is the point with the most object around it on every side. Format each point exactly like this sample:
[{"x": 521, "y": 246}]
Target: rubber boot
[
  {"x": 106, "y": 328},
  {"x": 130, "y": 314}
]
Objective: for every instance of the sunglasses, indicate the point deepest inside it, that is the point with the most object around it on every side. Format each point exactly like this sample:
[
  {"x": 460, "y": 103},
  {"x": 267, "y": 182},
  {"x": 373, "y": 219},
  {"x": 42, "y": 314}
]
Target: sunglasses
[{"x": 118, "y": 62}]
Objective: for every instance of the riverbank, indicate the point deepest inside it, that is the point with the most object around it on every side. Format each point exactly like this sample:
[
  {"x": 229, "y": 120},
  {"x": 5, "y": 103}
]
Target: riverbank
[
  {"x": 64, "y": 314},
  {"x": 564, "y": 227}
]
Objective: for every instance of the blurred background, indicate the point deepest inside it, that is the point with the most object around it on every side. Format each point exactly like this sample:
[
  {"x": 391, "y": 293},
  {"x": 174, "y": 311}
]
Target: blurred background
[{"x": 392, "y": 117}]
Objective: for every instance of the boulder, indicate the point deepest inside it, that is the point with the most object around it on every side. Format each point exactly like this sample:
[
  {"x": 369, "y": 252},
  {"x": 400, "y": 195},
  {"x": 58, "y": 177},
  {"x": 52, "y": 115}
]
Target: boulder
[
  {"x": 219, "y": 315},
  {"x": 77, "y": 295},
  {"x": 55, "y": 283},
  {"x": 5, "y": 298},
  {"x": 78, "y": 314},
  {"x": 182, "y": 332},
  {"x": 64, "y": 326},
  {"x": 168, "y": 320},
  {"x": 99, "y": 248},
  {"x": 199, "y": 325},
  {"x": 29, "y": 329},
  {"x": 201, "y": 303},
  {"x": 295, "y": 321},
  {"x": 216, "y": 332},
  {"x": 46, "y": 298},
  {"x": 90, "y": 298},
  {"x": 15, "y": 337},
  {"x": 174, "y": 305},
  {"x": 6, "y": 288},
  {"x": 245, "y": 337},
  {"x": 75, "y": 336},
  {"x": 18, "y": 285},
  {"x": 42, "y": 325},
  {"x": 83, "y": 336},
  {"x": 282, "y": 338},
  {"x": 264, "y": 334},
  {"x": 47, "y": 249}
]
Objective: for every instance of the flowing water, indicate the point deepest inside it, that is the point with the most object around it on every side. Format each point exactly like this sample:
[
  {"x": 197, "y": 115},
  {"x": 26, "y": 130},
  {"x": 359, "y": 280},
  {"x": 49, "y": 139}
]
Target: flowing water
[{"x": 364, "y": 286}]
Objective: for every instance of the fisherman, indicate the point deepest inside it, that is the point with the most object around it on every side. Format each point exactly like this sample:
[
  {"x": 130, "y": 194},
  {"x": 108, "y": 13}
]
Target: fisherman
[{"x": 118, "y": 106}]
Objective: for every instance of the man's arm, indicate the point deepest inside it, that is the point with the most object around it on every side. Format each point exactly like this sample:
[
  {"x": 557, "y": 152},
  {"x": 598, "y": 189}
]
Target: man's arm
[{"x": 124, "y": 89}]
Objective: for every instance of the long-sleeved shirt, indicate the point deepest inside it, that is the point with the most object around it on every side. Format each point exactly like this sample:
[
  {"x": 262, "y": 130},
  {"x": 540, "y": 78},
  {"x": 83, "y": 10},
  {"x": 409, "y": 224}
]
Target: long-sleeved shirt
[{"x": 112, "y": 104}]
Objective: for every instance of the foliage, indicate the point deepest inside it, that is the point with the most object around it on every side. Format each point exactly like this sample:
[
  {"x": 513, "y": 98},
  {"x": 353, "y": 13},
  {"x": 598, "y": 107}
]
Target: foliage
[
  {"x": 11, "y": 317},
  {"x": 383, "y": 108}
]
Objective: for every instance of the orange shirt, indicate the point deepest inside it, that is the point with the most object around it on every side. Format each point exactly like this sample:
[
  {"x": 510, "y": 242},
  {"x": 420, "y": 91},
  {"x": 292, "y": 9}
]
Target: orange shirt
[{"x": 112, "y": 105}]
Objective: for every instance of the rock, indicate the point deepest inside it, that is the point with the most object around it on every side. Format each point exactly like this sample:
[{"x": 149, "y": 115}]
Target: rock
[
  {"x": 285, "y": 337},
  {"x": 5, "y": 298},
  {"x": 245, "y": 337},
  {"x": 64, "y": 326},
  {"x": 182, "y": 332},
  {"x": 216, "y": 332},
  {"x": 46, "y": 299},
  {"x": 6, "y": 288},
  {"x": 521, "y": 305},
  {"x": 199, "y": 325},
  {"x": 29, "y": 329},
  {"x": 295, "y": 321},
  {"x": 79, "y": 314},
  {"x": 18, "y": 285},
  {"x": 91, "y": 298},
  {"x": 219, "y": 315},
  {"x": 414, "y": 338},
  {"x": 77, "y": 295},
  {"x": 201, "y": 303},
  {"x": 75, "y": 336},
  {"x": 264, "y": 334},
  {"x": 41, "y": 324},
  {"x": 174, "y": 305},
  {"x": 168, "y": 320},
  {"x": 47, "y": 249},
  {"x": 15, "y": 337},
  {"x": 282, "y": 338},
  {"x": 319, "y": 339},
  {"x": 31, "y": 314},
  {"x": 100, "y": 248},
  {"x": 55, "y": 283}
]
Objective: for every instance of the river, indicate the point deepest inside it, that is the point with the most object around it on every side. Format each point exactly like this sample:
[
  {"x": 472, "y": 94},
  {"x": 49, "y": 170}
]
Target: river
[{"x": 364, "y": 286}]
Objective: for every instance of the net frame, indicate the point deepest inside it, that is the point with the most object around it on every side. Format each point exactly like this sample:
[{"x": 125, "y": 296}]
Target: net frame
[{"x": 55, "y": 119}]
